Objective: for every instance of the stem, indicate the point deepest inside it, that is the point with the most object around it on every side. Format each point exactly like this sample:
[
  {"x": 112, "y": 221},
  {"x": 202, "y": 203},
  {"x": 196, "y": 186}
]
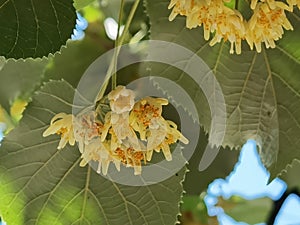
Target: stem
[
  {"x": 236, "y": 4},
  {"x": 114, "y": 76},
  {"x": 119, "y": 42}
]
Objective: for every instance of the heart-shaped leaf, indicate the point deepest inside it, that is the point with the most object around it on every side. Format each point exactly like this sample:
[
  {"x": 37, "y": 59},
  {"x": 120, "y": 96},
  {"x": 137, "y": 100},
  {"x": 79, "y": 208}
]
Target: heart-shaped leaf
[
  {"x": 261, "y": 90},
  {"x": 35, "y": 28},
  {"x": 42, "y": 185}
]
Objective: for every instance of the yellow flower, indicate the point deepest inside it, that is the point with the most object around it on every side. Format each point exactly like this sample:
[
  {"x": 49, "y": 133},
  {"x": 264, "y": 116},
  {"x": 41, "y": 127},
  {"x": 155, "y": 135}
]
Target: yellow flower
[
  {"x": 266, "y": 25},
  {"x": 271, "y": 3},
  {"x": 121, "y": 100},
  {"x": 143, "y": 112},
  {"x": 161, "y": 136},
  {"x": 87, "y": 133},
  {"x": 181, "y": 7},
  {"x": 158, "y": 130},
  {"x": 159, "y": 133},
  {"x": 62, "y": 124},
  {"x": 130, "y": 158},
  {"x": 117, "y": 125},
  {"x": 98, "y": 151},
  {"x": 116, "y": 122},
  {"x": 293, "y": 3},
  {"x": 227, "y": 24},
  {"x": 129, "y": 135},
  {"x": 197, "y": 12}
]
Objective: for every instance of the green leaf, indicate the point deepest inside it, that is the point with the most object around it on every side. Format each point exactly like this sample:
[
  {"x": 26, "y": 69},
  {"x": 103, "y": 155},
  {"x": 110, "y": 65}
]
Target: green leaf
[
  {"x": 79, "y": 4},
  {"x": 291, "y": 176},
  {"x": 19, "y": 79},
  {"x": 220, "y": 168},
  {"x": 41, "y": 184},
  {"x": 261, "y": 90},
  {"x": 35, "y": 28},
  {"x": 71, "y": 63}
]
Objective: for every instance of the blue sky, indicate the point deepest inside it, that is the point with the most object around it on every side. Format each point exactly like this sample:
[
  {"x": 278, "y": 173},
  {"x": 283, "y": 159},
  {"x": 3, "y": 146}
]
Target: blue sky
[
  {"x": 249, "y": 180},
  {"x": 289, "y": 214},
  {"x": 81, "y": 25}
]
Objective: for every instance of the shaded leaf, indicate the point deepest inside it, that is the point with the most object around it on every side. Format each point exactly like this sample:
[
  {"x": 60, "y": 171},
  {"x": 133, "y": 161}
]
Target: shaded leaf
[
  {"x": 291, "y": 176},
  {"x": 197, "y": 181},
  {"x": 41, "y": 184},
  {"x": 71, "y": 63},
  {"x": 262, "y": 91},
  {"x": 19, "y": 79},
  {"x": 35, "y": 28}
]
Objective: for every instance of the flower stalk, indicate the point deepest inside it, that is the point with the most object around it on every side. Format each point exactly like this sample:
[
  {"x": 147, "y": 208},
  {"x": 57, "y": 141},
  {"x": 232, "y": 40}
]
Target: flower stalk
[{"x": 118, "y": 43}]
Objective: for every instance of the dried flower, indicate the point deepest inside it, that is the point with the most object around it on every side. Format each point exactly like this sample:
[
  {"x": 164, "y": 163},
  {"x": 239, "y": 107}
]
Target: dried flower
[
  {"x": 86, "y": 128},
  {"x": 121, "y": 100}
]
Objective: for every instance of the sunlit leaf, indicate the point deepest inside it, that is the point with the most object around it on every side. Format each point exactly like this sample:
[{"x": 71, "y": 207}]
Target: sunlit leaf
[{"x": 41, "y": 184}]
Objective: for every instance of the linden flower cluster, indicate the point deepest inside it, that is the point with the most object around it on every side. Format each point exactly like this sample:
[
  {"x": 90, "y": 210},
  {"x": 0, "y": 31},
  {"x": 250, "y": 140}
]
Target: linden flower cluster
[
  {"x": 266, "y": 24},
  {"x": 128, "y": 135}
]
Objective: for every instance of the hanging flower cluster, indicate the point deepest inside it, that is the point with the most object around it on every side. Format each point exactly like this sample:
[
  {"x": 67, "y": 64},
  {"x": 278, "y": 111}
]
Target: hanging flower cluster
[
  {"x": 129, "y": 133},
  {"x": 266, "y": 24}
]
